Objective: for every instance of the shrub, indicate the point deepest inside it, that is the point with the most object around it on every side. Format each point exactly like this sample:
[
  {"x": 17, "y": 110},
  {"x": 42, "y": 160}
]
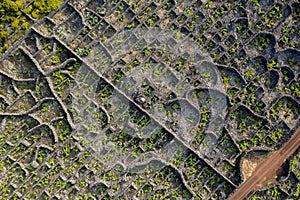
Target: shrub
[{"x": 43, "y": 7}]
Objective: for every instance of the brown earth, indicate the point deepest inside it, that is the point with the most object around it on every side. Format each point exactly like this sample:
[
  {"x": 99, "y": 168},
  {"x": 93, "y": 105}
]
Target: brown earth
[
  {"x": 267, "y": 170},
  {"x": 251, "y": 161},
  {"x": 248, "y": 167}
]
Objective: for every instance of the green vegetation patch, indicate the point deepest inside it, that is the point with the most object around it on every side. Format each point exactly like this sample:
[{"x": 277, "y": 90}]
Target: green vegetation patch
[{"x": 16, "y": 17}]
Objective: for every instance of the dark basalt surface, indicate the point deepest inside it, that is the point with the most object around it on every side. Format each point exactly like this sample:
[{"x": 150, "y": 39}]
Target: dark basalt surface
[{"x": 157, "y": 99}]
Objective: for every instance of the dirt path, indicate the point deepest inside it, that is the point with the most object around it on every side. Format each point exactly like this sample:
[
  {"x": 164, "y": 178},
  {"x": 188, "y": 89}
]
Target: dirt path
[{"x": 268, "y": 168}]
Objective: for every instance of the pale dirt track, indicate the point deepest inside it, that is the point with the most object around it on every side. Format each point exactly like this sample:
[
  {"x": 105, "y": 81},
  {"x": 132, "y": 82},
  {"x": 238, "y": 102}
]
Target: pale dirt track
[{"x": 267, "y": 168}]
